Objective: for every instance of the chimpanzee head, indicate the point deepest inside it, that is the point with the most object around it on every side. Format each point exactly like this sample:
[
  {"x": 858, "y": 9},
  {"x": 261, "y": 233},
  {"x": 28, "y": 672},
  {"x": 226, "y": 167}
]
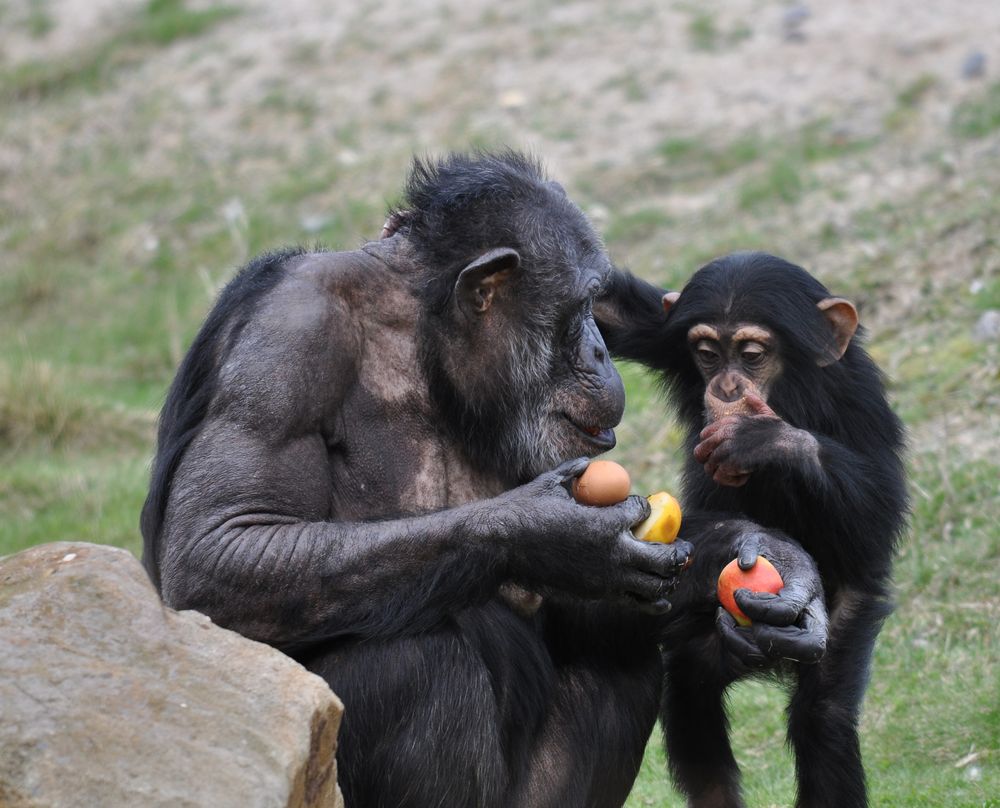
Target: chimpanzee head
[
  {"x": 508, "y": 270},
  {"x": 750, "y": 322}
]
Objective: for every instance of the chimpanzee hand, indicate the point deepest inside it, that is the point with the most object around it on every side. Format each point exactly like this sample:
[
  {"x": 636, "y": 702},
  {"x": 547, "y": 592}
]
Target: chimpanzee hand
[
  {"x": 736, "y": 445},
  {"x": 587, "y": 551},
  {"x": 790, "y": 625}
]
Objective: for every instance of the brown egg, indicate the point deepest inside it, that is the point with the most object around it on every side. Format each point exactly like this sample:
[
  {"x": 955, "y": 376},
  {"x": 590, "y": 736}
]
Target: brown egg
[{"x": 603, "y": 483}]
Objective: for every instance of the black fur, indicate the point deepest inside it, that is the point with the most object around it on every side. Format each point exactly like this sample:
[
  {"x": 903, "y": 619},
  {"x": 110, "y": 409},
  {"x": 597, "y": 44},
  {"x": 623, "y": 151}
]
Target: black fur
[
  {"x": 459, "y": 206},
  {"x": 849, "y": 514}
]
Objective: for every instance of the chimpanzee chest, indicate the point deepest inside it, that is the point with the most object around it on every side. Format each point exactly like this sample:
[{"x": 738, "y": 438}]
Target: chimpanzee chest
[{"x": 390, "y": 460}]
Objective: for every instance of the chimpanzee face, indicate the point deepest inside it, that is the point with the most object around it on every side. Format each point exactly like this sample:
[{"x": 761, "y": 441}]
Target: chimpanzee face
[
  {"x": 588, "y": 396},
  {"x": 734, "y": 360}
]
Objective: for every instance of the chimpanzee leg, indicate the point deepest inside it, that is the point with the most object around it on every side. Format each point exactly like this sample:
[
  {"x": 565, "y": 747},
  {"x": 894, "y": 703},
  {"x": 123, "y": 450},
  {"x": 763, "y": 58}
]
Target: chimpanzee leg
[
  {"x": 439, "y": 719},
  {"x": 590, "y": 748},
  {"x": 697, "y": 729},
  {"x": 826, "y": 706}
]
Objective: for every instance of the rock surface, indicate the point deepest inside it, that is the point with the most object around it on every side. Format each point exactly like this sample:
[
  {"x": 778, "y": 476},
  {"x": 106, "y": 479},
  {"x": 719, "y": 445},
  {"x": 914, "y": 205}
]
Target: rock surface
[{"x": 111, "y": 699}]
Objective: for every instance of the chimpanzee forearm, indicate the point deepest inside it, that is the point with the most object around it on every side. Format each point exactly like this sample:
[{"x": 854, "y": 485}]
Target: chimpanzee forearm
[
  {"x": 858, "y": 493},
  {"x": 810, "y": 473},
  {"x": 287, "y": 583},
  {"x": 331, "y": 578}
]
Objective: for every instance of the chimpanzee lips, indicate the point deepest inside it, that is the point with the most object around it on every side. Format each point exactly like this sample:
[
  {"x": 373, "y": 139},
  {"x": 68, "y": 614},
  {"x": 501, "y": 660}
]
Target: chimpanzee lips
[{"x": 603, "y": 438}]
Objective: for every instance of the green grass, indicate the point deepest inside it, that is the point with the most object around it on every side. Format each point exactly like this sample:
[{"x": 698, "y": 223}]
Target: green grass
[
  {"x": 114, "y": 249},
  {"x": 703, "y": 32},
  {"x": 979, "y": 116}
]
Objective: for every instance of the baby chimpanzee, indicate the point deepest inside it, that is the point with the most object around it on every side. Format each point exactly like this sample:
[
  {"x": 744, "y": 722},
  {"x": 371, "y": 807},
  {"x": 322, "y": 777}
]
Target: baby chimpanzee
[{"x": 787, "y": 424}]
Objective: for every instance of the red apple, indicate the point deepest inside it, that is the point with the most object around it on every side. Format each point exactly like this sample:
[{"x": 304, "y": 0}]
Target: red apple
[{"x": 761, "y": 577}]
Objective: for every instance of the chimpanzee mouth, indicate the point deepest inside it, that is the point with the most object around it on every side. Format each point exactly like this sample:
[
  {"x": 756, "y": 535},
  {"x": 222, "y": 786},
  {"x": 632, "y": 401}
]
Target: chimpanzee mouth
[{"x": 603, "y": 439}]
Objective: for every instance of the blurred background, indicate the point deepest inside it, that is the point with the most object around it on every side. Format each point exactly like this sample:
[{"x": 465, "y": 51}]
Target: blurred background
[{"x": 150, "y": 147}]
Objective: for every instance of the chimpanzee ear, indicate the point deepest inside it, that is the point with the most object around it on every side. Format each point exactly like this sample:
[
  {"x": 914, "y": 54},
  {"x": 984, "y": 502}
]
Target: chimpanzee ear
[
  {"x": 843, "y": 320},
  {"x": 669, "y": 299},
  {"x": 479, "y": 281}
]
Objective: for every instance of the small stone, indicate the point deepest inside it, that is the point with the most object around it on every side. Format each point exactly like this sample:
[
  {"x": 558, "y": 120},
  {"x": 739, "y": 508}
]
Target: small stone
[
  {"x": 598, "y": 214},
  {"x": 315, "y": 222},
  {"x": 512, "y": 99},
  {"x": 348, "y": 157},
  {"x": 233, "y": 211},
  {"x": 974, "y": 65},
  {"x": 988, "y": 326},
  {"x": 792, "y": 22}
]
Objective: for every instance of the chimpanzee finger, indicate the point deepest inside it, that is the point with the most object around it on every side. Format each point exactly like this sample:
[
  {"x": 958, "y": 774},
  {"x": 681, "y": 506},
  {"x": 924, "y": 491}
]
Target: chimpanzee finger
[
  {"x": 724, "y": 424},
  {"x": 805, "y": 643},
  {"x": 703, "y": 451},
  {"x": 658, "y": 607},
  {"x": 645, "y": 587},
  {"x": 758, "y": 406},
  {"x": 622, "y": 517},
  {"x": 712, "y": 437},
  {"x": 566, "y": 471},
  {"x": 709, "y": 445},
  {"x": 749, "y": 550},
  {"x": 790, "y": 642},
  {"x": 663, "y": 560},
  {"x": 738, "y": 641},
  {"x": 763, "y": 607}
]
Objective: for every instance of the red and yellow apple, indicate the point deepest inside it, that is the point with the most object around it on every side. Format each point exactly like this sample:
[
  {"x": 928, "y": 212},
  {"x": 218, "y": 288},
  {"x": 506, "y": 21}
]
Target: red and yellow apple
[{"x": 761, "y": 577}]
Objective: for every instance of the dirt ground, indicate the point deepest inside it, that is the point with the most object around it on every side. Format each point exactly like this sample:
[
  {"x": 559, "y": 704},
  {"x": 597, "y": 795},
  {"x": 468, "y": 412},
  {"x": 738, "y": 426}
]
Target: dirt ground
[{"x": 619, "y": 74}]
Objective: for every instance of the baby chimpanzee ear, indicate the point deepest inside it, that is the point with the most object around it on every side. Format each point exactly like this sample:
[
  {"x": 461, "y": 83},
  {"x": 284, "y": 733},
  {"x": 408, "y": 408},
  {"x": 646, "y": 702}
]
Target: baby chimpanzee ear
[
  {"x": 669, "y": 299},
  {"x": 843, "y": 320},
  {"x": 478, "y": 282}
]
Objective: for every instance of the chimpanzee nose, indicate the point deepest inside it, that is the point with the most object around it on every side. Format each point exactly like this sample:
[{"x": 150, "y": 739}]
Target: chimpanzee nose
[
  {"x": 731, "y": 387},
  {"x": 599, "y": 354}
]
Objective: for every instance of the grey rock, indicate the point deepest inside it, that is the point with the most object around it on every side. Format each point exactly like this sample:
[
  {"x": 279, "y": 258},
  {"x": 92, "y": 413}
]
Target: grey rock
[
  {"x": 974, "y": 65},
  {"x": 792, "y": 21},
  {"x": 111, "y": 699},
  {"x": 987, "y": 328}
]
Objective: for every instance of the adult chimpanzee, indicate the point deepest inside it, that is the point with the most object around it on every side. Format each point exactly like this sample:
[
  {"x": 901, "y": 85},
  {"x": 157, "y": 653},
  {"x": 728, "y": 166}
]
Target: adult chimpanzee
[
  {"x": 788, "y": 425},
  {"x": 354, "y": 465}
]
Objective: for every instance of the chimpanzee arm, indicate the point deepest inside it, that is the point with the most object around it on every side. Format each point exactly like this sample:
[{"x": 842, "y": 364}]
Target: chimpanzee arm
[
  {"x": 253, "y": 537},
  {"x": 850, "y": 486},
  {"x": 250, "y": 547},
  {"x": 631, "y": 317}
]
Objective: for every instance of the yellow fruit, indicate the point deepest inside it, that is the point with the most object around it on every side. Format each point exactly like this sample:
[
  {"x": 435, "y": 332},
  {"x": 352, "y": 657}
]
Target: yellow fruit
[{"x": 664, "y": 523}]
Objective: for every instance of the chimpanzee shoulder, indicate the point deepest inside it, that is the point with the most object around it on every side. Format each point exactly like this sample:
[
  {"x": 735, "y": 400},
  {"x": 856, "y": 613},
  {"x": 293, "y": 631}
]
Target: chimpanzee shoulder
[{"x": 194, "y": 386}]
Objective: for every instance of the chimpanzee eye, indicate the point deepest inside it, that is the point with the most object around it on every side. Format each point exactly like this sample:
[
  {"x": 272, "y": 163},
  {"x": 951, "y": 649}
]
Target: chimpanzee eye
[
  {"x": 752, "y": 356},
  {"x": 707, "y": 355}
]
